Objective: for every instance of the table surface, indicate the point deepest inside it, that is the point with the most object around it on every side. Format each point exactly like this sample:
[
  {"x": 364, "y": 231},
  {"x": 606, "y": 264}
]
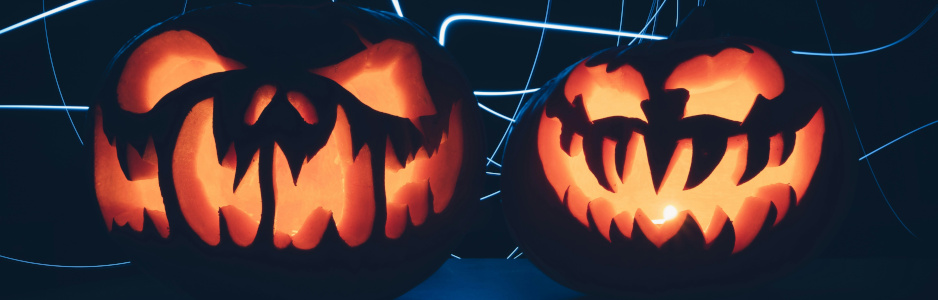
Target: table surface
[{"x": 866, "y": 278}]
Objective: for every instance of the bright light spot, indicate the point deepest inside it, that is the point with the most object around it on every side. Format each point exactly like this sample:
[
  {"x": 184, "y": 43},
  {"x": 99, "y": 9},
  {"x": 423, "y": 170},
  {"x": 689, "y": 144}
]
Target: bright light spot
[{"x": 669, "y": 213}]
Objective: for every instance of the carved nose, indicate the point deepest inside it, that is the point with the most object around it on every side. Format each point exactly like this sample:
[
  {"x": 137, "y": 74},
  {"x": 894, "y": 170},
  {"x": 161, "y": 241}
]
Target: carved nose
[
  {"x": 264, "y": 95},
  {"x": 664, "y": 110}
]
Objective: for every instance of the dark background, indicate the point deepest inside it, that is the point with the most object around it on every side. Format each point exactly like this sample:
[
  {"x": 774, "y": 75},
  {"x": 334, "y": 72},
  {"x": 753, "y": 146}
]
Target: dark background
[{"x": 48, "y": 215}]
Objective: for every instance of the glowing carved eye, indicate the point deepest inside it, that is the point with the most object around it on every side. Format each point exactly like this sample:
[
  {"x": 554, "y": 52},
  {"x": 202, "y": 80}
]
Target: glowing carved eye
[
  {"x": 726, "y": 85},
  {"x": 618, "y": 93},
  {"x": 387, "y": 77},
  {"x": 164, "y": 63}
]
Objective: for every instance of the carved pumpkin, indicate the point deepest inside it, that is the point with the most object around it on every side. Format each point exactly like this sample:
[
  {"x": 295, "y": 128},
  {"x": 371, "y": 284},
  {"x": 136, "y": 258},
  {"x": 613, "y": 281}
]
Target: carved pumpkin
[
  {"x": 674, "y": 165},
  {"x": 280, "y": 151}
]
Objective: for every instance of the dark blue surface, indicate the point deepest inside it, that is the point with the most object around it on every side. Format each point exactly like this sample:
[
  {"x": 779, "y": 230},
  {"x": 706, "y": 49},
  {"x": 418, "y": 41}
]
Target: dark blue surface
[{"x": 834, "y": 278}]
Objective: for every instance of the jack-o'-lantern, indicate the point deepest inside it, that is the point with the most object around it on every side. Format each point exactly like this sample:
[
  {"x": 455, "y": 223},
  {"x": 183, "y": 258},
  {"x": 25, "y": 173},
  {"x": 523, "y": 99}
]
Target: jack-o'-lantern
[
  {"x": 675, "y": 165},
  {"x": 282, "y": 151}
]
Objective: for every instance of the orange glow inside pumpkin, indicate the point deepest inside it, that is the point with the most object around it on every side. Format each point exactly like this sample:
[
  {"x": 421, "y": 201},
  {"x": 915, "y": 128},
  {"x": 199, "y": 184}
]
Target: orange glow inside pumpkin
[
  {"x": 164, "y": 63},
  {"x": 387, "y": 77},
  {"x": 717, "y": 198},
  {"x": 726, "y": 85},
  {"x": 204, "y": 187},
  {"x": 331, "y": 184},
  {"x": 406, "y": 187},
  {"x": 619, "y": 93},
  {"x": 123, "y": 201}
]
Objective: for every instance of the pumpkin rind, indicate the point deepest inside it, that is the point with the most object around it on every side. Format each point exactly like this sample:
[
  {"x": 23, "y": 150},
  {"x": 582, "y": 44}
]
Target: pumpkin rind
[
  {"x": 612, "y": 174},
  {"x": 251, "y": 170}
]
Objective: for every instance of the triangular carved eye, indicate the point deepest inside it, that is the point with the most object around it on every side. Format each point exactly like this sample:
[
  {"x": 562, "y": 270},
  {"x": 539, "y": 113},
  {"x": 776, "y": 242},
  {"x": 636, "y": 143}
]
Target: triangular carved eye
[
  {"x": 387, "y": 77},
  {"x": 726, "y": 85},
  {"x": 606, "y": 94},
  {"x": 164, "y": 63}
]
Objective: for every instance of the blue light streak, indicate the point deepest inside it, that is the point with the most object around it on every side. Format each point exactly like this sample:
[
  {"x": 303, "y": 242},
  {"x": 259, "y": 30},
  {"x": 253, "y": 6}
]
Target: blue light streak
[
  {"x": 62, "y": 266},
  {"x": 495, "y": 113},
  {"x": 493, "y": 173},
  {"x": 519, "y": 255},
  {"x": 454, "y": 255},
  {"x": 875, "y": 49},
  {"x": 493, "y": 162},
  {"x": 490, "y": 195},
  {"x": 187, "y": 4},
  {"x": 527, "y": 84},
  {"x": 43, "y": 15},
  {"x": 504, "y": 93},
  {"x": 499, "y": 20},
  {"x": 43, "y": 107},
  {"x": 397, "y": 7},
  {"x": 45, "y": 29},
  {"x": 512, "y": 253},
  {"x": 621, "y": 17},
  {"x": 859, "y": 140},
  {"x": 898, "y": 138},
  {"x": 650, "y": 20}
]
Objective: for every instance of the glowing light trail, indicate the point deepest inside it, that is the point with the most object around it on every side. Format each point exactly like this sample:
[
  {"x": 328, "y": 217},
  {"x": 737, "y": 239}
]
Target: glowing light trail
[
  {"x": 45, "y": 29},
  {"x": 495, "y": 113},
  {"x": 898, "y": 138},
  {"x": 512, "y": 253},
  {"x": 527, "y": 84},
  {"x": 397, "y": 7},
  {"x": 43, "y": 15},
  {"x": 650, "y": 20},
  {"x": 489, "y": 19},
  {"x": 490, "y": 195},
  {"x": 454, "y": 255},
  {"x": 859, "y": 140},
  {"x": 876, "y": 49},
  {"x": 62, "y": 266},
  {"x": 44, "y": 107},
  {"x": 504, "y": 93}
]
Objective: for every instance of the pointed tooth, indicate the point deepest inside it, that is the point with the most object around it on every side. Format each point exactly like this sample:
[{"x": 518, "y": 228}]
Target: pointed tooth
[
  {"x": 609, "y": 164},
  {"x": 576, "y": 145},
  {"x": 309, "y": 235},
  {"x": 757, "y": 157},
  {"x": 397, "y": 220},
  {"x": 244, "y": 161},
  {"x": 775, "y": 151},
  {"x": 594, "y": 148},
  {"x": 620, "y": 156},
  {"x": 241, "y": 227},
  {"x": 715, "y": 225},
  {"x": 788, "y": 145},
  {"x": 391, "y": 161},
  {"x": 134, "y": 217},
  {"x": 159, "y": 222},
  {"x": 281, "y": 239},
  {"x": 142, "y": 165},
  {"x": 656, "y": 234},
  {"x": 707, "y": 155},
  {"x": 602, "y": 212},
  {"x": 624, "y": 221},
  {"x": 749, "y": 220},
  {"x": 356, "y": 222},
  {"x": 578, "y": 203},
  {"x": 566, "y": 142},
  {"x": 780, "y": 195},
  {"x": 414, "y": 195}
]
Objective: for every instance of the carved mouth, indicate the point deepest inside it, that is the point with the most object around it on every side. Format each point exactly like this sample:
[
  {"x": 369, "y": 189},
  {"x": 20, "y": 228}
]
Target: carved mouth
[
  {"x": 335, "y": 185},
  {"x": 632, "y": 198}
]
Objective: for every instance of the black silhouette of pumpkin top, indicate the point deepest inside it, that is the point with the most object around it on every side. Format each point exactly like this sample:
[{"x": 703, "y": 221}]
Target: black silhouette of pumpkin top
[{"x": 335, "y": 136}]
